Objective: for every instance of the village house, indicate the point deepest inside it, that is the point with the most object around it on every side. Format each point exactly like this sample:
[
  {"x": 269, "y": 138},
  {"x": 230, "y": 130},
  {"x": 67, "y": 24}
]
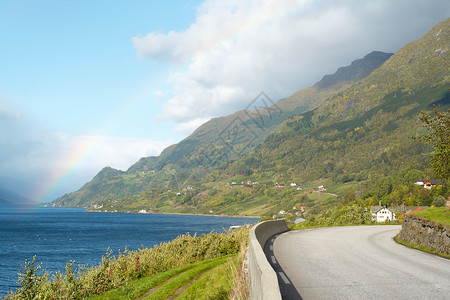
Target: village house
[
  {"x": 412, "y": 208},
  {"x": 382, "y": 214},
  {"x": 417, "y": 208},
  {"x": 428, "y": 183}
]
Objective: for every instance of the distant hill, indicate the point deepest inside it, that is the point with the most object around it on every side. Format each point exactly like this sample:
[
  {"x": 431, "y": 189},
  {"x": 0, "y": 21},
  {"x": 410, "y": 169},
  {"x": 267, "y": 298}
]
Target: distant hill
[
  {"x": 219, "y": 141},
  {"x": 364, "y": 132},
  {"x": 351, "y": 129},
  {"x": 8, "y": 197}
]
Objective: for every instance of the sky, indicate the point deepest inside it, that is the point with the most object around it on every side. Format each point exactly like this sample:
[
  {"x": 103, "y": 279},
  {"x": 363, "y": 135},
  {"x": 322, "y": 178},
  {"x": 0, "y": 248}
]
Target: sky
[{"x": 89, "y": 84}]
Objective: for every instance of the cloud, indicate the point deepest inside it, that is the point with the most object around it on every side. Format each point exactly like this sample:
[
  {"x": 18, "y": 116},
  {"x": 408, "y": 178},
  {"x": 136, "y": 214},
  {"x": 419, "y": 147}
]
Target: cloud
[
  {"x": 236, "y": 49},
  {"x": 50, "y": 164},
  {"x": 188, "y": 127}
]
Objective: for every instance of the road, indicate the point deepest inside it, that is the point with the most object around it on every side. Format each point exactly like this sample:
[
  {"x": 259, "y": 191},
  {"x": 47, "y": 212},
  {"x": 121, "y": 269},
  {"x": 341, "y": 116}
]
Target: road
[{"x": 355, "y": 262}]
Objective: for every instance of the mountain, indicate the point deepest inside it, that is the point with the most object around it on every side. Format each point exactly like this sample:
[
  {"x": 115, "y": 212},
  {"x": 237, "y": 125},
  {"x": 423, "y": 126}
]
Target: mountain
[
  {"x": 250, "y": 127},
  {"x": 8, "y": 197},
  {"x": 364, "y": 132},
  {"x": 348, "y": 132},
  {"x": 219, "y": 141}
]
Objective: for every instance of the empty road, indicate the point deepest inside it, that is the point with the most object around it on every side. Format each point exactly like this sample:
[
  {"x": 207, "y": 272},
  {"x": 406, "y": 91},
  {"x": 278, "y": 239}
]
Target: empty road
[{"x": 357, "y": 262}]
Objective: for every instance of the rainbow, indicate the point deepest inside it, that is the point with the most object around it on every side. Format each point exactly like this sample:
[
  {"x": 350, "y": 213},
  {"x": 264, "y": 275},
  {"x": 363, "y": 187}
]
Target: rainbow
[
  {"x": 77, "y": 150},
  {"x": 66, "y": 165},
  {"x": 82, "y": 147}
]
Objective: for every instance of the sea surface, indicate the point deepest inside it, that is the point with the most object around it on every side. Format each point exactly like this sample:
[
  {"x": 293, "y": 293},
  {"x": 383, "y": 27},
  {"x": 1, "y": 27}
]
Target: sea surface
[{"x": 59, "y": 235}]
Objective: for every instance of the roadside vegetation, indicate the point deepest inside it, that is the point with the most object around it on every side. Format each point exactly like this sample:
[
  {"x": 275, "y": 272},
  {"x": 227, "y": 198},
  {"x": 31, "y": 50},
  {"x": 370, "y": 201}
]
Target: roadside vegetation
[
  {"x": 132, "y": 274},
  {"x": 440, "y": 215}
]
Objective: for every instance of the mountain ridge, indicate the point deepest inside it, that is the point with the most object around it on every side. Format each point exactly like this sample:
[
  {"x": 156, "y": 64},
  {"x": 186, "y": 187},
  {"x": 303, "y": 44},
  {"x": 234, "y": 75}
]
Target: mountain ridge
[{"x": 347, "y": 138}]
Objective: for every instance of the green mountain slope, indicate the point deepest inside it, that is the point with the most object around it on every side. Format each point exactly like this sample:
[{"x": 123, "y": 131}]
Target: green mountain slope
[
  {"x": 217, "y": 142},
  {"x": 360, "y": 132},
  {"x": 352, "y": 141}
]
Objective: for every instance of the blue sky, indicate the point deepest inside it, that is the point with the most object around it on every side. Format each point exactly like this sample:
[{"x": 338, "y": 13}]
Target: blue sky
[
  {"x": 71, "y": 65},
  {"x": 88, "y": 84}
]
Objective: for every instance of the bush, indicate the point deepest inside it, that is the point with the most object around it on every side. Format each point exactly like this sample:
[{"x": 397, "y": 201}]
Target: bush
[
  {"x": 439, "y": 201},
  {"x": 114, "y": 272}
]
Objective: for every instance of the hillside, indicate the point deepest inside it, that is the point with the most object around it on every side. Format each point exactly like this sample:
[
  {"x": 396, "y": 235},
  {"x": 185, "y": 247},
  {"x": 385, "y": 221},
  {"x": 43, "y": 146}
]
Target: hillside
[
  {"x": 10, "y": 198},
  {"x": 357, "y": 140},
  {"x": 217, "y": 142},
  {"x": 366, "y": 130}
]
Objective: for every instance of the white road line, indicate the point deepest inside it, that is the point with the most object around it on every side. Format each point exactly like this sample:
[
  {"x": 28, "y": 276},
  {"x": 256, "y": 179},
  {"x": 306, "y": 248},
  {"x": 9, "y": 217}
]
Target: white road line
[
  {"x": 284, "y": 277},
  {"x": 273, "y": 259},
  {"x": 271, "y": 247}
]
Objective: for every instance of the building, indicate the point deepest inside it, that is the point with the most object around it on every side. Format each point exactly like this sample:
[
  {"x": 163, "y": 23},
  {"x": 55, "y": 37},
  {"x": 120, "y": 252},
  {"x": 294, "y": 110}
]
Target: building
[
  {"x": 382, "y": 214},
  {"x": 428, "y": 183}
]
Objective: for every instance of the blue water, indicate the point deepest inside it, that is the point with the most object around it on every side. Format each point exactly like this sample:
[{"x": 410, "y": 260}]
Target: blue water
[{"x": 59, "y": 235}]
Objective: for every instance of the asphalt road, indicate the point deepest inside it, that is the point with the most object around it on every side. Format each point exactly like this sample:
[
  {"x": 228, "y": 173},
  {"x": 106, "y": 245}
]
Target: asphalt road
[{"x": 355, "y": 262}]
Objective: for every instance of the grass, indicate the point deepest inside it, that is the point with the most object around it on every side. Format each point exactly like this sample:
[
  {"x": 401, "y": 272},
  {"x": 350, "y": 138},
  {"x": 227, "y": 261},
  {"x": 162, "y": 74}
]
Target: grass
[
  {"x": 439, "y": 214},
  {"x": 133, "y": 273},
  {"x": 215, "y": 284},
  {"x": 140, "y": 286},
  {"x": 171, "y": 287}
]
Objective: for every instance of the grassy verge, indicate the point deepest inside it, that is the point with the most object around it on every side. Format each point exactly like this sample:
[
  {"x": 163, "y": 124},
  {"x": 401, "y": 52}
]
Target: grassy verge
[
  {"x": 436, "y": 214},
  {"x": 215, "y": 284},
  {"x": 421, "y": 248},
  {"x": 437, "y": 217},
  {"x": 132, "y": 271},
  {"x": 142, "y": 285},
  {"x": 171, "y": 287}
]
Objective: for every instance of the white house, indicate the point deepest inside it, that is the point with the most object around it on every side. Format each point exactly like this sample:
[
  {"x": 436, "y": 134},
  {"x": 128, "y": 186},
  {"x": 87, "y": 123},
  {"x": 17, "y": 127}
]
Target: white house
[
  {"x": 382, "y": 214},
  {"x": 428, "y": 183}
]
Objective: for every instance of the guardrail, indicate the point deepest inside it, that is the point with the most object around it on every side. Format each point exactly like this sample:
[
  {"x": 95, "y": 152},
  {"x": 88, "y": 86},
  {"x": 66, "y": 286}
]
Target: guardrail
[{"x": 263, "y": 279}]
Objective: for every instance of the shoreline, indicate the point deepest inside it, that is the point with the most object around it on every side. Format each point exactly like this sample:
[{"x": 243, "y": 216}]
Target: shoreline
[{"x": 163, "y": 213}]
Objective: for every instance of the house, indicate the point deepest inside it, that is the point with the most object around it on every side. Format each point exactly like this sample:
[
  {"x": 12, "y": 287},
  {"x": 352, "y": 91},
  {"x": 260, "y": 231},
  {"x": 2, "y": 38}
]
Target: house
[
  {"x": 280, "y": 185},
  {"x": 417, "y": 208},
  {"x": 428, "y": 183},
  {"x": 293, "y": 184},
  {"x": 382, "y": 214}
]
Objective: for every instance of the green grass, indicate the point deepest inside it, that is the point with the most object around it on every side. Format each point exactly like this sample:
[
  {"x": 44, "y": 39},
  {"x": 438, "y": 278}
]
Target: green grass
[
  {"x": 140, "y": 286},
  {"x": 171, "y": 287},
  {"x": 215, "y": 284},
  {"x": 439, "y": 214}
]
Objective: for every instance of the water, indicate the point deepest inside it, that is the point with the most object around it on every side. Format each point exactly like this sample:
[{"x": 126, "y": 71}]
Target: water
[{"x": 59, "y": 235}]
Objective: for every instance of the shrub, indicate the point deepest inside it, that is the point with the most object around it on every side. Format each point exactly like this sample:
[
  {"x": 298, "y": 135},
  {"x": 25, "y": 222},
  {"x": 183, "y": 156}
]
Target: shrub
[{"x": 114, "y": 272}]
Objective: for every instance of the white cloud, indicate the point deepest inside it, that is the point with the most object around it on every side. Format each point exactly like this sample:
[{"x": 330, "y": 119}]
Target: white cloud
[
  {"x": 56, "y": 163},
  {"x": 236, "y": 49},
  {"x": 185, "y": 128}
]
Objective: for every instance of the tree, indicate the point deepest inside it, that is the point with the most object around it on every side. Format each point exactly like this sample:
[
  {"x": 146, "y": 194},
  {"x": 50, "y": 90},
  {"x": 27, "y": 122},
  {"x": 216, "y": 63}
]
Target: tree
[{"x": 439, "y": 124}]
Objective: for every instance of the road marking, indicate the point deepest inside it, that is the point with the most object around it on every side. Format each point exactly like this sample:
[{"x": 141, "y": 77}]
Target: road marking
[
  {"x": 271, "y": 247},
  {"x": 284, "y": 277},
  {"x": 273, "y": 259}
]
